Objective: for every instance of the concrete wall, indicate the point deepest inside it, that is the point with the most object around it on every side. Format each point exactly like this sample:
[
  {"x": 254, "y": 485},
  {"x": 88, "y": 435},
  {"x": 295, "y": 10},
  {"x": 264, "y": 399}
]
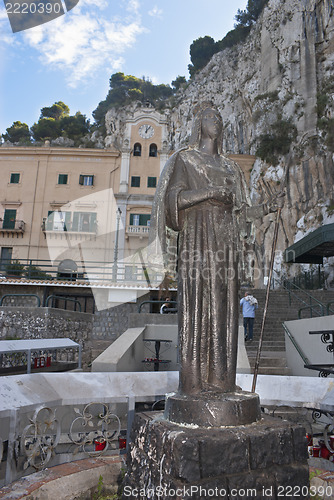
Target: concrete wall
[
  {"x": 129, "y": 351},
  {"x": 311, "y": 345}
]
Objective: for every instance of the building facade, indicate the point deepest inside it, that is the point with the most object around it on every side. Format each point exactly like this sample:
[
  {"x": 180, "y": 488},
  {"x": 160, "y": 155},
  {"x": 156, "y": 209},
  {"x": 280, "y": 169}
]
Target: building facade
[{"x": 84, "y": 213}]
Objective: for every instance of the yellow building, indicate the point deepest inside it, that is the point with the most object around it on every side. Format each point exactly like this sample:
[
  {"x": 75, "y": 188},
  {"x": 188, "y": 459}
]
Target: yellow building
[
  {"x": 73, "y": 210},
  {"x": 84, "y": 213}
]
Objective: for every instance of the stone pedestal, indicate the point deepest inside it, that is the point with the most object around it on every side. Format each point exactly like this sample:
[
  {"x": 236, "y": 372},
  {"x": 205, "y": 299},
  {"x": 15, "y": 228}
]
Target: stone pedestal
[
  {"x": 263, "y": 460},
  {"x": 214, "y": 409}
]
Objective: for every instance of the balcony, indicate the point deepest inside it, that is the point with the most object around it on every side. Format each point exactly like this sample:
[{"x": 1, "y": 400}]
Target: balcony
[
  {"x": 12, "y": 227},
  {"x": 141, "y": 231},
  {"x": 86, "y": 231}
]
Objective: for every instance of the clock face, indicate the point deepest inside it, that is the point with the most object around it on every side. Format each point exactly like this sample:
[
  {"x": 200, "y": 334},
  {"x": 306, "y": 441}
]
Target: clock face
[{"x": 146, "y": 131}]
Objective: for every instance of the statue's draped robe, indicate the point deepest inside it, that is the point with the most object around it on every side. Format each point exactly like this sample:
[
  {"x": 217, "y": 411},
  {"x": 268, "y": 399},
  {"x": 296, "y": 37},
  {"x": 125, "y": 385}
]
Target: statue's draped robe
[
  {"x": 207, "y": 263},
  {"x": 208, "y": 245}
]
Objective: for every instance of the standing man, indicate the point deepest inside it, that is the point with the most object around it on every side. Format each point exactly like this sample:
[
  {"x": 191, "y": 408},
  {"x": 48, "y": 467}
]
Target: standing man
[{"x": 249, "y": 305}]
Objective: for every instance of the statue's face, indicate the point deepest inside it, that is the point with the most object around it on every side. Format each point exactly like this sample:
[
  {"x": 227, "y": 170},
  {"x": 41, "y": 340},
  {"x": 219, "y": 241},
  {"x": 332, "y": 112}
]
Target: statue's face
[{"x": 211, "y": 124}]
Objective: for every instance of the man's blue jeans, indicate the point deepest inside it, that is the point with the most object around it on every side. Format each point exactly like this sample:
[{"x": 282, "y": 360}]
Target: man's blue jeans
[{"x": 248, "y": 326}]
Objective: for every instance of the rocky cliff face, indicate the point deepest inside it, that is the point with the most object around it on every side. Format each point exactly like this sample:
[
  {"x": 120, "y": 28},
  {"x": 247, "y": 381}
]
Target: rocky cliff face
[{"x": 276, "y": 91}]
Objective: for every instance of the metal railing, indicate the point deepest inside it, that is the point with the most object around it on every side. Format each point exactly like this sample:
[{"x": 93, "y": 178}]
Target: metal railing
[
  {"x": 15, "y": 225},
  {"x": 65, "y": 299},
  {"x": 328, "y": 308},
  {"x": 171, "y": 302},
  {"x": 312, "y": 303},
  {"x": 20, "y": 295},
  {"x": 104, "y": 272},
  {"x": 78, "y": 415},
  {"x": 296, "y": 345}
]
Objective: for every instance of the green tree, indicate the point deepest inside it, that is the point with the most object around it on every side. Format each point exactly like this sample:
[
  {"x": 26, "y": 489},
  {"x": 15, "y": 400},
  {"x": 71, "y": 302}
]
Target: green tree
[
  {"x": 74, "y": 127},
  {"x": 46, "y": 128},
  {"x": 127, "y": 88},
  {"x": 57, "y": 111},
  {"x": 18, "y": 132},
  {"x": 276, "y": 141},
  {"x": 250, "y": 15},
  {"x": 179, "y": 82},
  {"x": 201, "y": 51}
]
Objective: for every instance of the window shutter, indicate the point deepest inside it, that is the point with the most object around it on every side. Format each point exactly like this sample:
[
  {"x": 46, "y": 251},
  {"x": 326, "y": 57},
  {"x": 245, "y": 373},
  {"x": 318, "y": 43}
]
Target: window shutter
[
  {"x": 49, "y": 221},
  {"x": 81, "y": 180},
  {"x": 92, "y": 225},
  {"x": 67, "y": 221},
  {"x": 75, "y": 222}
]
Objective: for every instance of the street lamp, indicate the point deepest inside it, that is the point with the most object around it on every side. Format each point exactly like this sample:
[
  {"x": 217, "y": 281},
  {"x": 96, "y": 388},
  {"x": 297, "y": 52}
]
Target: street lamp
[{"x": 118, "y": 218}]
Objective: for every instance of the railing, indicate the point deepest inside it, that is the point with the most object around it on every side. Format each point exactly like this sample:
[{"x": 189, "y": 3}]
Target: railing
[
  {"x": 78, "y": 415},
  {"x": 20, "y": 295},
  {"x": 328, "y": 308},
  {"x": 171, "y": 302},
  {"x": 102, "y": 272},
  {"x": 12, "y": 226},
  {"x": 312, "y": 303},
  {"x": 294, "y": 342},
  {"x": 65, "y": 299},
  {"x": 66, "y": 229},
  {"x": 138, "y": 230}
]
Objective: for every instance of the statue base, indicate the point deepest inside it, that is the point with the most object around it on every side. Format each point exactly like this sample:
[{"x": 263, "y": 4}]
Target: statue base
[
  {"x": 214, "y": 409},
  {"x": 263, "y": 460}
]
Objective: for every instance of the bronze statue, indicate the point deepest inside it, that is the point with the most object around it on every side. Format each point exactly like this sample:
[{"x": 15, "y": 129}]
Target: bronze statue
[{"x": 202, "y": 197}]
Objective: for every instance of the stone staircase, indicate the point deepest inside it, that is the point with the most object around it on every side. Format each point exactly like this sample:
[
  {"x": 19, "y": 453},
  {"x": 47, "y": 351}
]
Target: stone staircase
[{"x": 273, "y": 357}]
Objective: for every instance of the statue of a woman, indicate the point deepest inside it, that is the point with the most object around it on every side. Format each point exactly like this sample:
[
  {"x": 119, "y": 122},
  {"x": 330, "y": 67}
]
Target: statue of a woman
[{"x": 200, "y": 196}]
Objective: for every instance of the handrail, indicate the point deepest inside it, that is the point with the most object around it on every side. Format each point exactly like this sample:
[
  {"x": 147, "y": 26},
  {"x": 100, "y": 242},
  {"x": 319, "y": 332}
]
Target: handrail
[
  {"x": 21, "y": 295},
  {"x": 155, "y": 302},
  {"x": 296, "y": 345},
  {"x": 322, "y": 309},
  {"x": 311, "y": 298},
  {"x": 328, "y": 309},
  {"x": 62, "y": 298}
]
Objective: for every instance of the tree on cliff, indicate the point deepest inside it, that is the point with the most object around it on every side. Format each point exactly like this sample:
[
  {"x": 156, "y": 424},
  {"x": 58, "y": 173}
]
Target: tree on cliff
[
  {"x": 202, "y": 49},
  {"x": 55, "y": 121},
  {"x": 125, "y": 89},
  {"x": 57, "y": 110},
  {"x": 250, "y": 15}
]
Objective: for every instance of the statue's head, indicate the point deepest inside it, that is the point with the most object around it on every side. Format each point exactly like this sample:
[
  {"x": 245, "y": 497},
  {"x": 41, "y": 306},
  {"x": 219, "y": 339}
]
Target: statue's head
[{"x": 207, "y": 121}]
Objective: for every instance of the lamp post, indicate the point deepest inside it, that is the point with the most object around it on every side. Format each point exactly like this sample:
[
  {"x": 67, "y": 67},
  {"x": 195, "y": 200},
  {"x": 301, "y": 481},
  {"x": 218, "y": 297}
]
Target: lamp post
[{"x": 118, "y": 218}]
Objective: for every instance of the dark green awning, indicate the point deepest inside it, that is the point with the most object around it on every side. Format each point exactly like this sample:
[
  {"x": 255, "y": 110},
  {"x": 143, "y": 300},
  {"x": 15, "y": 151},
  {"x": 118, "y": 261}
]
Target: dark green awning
[{"x": 312, "y": 248}]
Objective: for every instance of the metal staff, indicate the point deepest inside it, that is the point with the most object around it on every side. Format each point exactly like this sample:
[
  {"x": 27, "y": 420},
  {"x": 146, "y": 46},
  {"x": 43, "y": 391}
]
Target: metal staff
[{"x": 273, "y": 248}]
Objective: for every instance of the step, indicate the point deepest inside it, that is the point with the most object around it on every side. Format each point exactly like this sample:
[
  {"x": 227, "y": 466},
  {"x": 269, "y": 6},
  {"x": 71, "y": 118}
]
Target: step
[{"x": 265, "y": 370}]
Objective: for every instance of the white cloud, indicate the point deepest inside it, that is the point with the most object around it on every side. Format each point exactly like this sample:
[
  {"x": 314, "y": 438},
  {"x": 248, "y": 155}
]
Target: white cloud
[
  {"x": 85, "y": 40},
  {"x": 156, "y": 12}
]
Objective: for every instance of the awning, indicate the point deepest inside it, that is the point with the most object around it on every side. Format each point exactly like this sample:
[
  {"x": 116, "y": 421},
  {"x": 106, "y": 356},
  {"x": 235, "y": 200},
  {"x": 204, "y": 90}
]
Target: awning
[{"x": 312, "y": 248}]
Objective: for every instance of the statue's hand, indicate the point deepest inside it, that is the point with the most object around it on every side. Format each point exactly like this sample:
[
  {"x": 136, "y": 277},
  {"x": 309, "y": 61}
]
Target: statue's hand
[
  {"x": 276, "y": 202},
  {"x": 219, "y": 194}
]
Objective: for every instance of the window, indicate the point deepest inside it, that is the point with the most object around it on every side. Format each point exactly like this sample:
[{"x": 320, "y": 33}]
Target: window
[
  {"x": 9, "y": 219},
  {"x": 140, "y": 219},
  {"x": 153, "y": 150},
  {"x": 135, "y": 182},
  {"x": 151, "y": 182},
  {"x": 14, "y": 178},
  {"x": 5, "y": 257},
  {"x": 58, "y": 221},
  {"x": 62, "y": 178},
  {"x": 84, "y": 222},
  {"x": 137, "y": 149},
  {"x": 86, "y": 180}
]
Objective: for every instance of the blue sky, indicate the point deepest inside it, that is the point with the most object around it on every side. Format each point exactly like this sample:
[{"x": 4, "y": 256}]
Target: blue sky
[{"x": 71, "y": 58}]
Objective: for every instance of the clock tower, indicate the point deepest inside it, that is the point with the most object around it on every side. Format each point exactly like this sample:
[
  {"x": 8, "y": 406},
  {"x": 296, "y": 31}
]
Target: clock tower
[{"x": 144, "y": 153}]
